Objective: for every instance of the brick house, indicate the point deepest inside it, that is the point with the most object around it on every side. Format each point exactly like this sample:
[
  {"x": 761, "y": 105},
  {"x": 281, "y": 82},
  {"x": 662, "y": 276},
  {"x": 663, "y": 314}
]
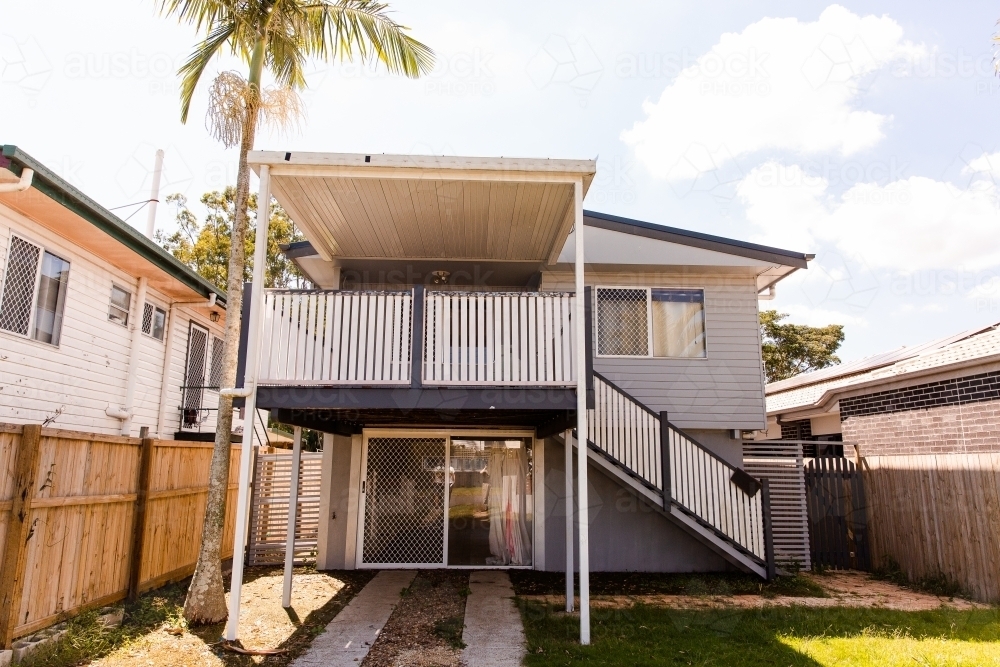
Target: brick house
[{"x": 941, "y": 397}]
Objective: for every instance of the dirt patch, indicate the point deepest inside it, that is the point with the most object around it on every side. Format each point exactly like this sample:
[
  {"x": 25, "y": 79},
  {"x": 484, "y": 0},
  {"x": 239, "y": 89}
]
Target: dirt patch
[
  {"x": 531, "y": 582},
  {"x": 842, "y": 589},
  {"x": 425, "y": 629},
  {"x": 316, "y": 598}
]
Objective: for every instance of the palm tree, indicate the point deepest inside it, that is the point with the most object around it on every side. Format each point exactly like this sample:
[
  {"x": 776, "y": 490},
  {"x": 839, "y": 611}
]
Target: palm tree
[{"x": 278, "y": 36}]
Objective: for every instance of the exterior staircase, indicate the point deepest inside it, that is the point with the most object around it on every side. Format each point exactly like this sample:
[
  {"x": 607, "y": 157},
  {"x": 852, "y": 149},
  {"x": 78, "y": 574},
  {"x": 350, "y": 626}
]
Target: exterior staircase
[{"x": 719, "y": 504}]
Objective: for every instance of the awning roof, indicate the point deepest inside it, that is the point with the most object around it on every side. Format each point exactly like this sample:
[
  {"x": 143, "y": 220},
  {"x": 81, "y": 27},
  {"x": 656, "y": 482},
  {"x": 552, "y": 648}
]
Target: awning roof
[{"x": 427, "y": 207}]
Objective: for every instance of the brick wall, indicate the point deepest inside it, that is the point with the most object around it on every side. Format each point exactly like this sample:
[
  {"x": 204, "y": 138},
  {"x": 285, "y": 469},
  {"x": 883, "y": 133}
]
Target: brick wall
[
  {"x": 972, "y": 427},
  {"x": 957, "y": 391}
]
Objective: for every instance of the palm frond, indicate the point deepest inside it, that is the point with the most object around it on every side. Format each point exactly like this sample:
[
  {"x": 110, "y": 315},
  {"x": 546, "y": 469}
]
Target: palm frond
[{"x": 192, "y": 69}]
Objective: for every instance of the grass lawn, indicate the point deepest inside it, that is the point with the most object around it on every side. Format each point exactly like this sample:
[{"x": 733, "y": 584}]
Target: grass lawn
[
  {"x": 772, "y": 636},
  {"x": 533, "y": 582}
]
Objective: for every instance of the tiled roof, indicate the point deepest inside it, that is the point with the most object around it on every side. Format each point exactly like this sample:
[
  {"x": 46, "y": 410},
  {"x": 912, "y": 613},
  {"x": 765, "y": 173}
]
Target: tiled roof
[{"x": 810, "y": 387}]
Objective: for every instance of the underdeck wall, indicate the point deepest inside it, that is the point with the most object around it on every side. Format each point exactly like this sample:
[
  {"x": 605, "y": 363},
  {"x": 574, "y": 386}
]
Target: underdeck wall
[{"x": 626, "y": 534}]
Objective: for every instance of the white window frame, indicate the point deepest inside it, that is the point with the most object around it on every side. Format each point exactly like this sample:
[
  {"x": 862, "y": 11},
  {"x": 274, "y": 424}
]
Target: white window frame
[
  {"x": 142, "y": 316},
  {"x": 34, "y": 290},
  {"x": 128, "y": 312},
  {"x": 649, "y": 321}
]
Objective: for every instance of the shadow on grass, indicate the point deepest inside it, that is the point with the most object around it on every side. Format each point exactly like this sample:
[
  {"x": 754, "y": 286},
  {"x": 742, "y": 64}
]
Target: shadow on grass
[
  {"x": 643, "y": 635},
  {"x": 532, "y": 582},
  {"x": 86, "y": 640}
]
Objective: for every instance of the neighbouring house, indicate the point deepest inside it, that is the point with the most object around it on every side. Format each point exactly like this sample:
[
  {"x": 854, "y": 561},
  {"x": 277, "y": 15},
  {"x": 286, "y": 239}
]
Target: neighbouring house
[
  {"x": 941, "y": 397},
  {"x": 102, "y": 330},
  {"x": 439, "y": 358}
]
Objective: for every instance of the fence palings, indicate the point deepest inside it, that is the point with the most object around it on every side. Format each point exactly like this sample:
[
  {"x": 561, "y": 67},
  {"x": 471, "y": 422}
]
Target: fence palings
[
  {"x": 77, "y": 549},
  {"x": 836, "y": 503}
]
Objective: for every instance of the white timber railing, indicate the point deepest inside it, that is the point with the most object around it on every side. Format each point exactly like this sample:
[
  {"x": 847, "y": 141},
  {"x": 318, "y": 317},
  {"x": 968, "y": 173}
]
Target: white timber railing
[
  {"x": 498, "y": 339},
  {"x": 336, "y": 337},
  {"x": 715, "y": 493}
]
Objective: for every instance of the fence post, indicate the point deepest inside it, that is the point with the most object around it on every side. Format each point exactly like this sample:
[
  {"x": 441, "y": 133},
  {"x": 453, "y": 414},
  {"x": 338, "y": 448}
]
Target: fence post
[
  {"x": 19, "y": 531},
  {"x": 139, "y": 513},
  {"x": 765, "y": 503},
  {"x": 665, "y": 459}
]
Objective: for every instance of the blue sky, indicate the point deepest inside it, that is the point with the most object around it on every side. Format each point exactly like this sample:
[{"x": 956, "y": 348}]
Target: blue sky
[{"x": 863, "y": 132}]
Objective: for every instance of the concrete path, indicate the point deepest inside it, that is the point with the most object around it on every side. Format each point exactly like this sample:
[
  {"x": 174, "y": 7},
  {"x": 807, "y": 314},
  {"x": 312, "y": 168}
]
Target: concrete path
[
  {"x": 350, "y": 635},
  {"x": 493, "y": 634}
]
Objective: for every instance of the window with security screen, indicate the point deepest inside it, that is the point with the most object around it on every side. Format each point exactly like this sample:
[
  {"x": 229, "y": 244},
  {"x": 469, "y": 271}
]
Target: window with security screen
[
  {"x": 215, "y": 371},
  {"x": 154, "y": 321},
  {"x": 640, "y": 322},
  {"x": 34, "y": 292}
]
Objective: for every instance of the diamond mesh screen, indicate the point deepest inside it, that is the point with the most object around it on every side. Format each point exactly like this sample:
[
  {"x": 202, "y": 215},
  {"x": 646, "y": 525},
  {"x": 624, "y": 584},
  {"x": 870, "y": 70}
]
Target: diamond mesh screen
[
  {"x": 197, "y": 344},
  {"x": 215, "y": 373},
  {"x": 404, "y": 501},
  {"x": 147, "y": 318},
  {"x": 622, "y": 322},
  {"x": 19, "y": 287}
]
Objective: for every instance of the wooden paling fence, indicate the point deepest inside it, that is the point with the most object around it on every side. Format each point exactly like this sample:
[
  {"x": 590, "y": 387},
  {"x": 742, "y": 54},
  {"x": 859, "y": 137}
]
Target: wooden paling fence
[
  {"x": 269, "y": 508},
  {"x": 838, "y": 518},
  {"x": 88, "y": 519},
  {"x": 938, "y": 514},
  {"x": 782, "y": 464}
]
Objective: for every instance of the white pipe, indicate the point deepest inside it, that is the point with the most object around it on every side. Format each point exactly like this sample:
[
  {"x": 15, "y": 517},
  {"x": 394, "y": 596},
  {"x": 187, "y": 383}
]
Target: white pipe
[
  {"x": 581, "y": 421},
  {"x": 168, "y": 349},
  {"x": 250, "y": 410},
  {"x": 293, "y": 505},
  {"x": 21, "y": 185},
  {"x": 154, "y": 194},
  {"x": 131, "y": 375},
  {"x": 568, "y": 444}
]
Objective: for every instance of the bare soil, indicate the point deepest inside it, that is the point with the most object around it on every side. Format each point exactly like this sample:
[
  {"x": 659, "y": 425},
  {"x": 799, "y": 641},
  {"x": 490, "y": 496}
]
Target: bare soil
[
  {"x": 425, "y": 629},
  {"x": 842, "y": 589},
  {"x": 316, "y": 598}
]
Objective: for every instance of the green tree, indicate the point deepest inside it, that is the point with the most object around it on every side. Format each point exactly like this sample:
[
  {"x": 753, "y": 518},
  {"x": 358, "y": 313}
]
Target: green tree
[
  {"x": 276, "y": 37},
  {"x": 204, "y": 246},
  {"x": 790, "y": 349}
]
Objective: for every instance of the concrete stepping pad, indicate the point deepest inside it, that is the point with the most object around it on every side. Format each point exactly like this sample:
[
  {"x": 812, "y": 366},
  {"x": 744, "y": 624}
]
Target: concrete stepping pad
[
  {"x": 350, "y": 635},
  {"x": 493, "y": 634}
]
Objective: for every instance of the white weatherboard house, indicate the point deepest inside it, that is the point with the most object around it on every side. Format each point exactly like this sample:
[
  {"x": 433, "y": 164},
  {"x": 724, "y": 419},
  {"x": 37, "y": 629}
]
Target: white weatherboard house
[
  {"x": 464, "y": 330},
  {"x": 101, "y": 330}
]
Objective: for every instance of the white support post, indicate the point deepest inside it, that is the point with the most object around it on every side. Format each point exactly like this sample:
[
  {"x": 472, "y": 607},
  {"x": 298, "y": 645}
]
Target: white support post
[
  {"x": 154, "y": 194},
  {"x": 568, "y": 441},
  {"x": 293, "y": 505},
  {"x": 580, "y": 352},
  {"x": 250, "y": 409}
]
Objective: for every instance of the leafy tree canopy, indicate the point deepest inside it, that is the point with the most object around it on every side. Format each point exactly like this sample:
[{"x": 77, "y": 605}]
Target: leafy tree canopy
[
  {"x": 204, "y": 245},
  {"x": 790, "y": 349}
]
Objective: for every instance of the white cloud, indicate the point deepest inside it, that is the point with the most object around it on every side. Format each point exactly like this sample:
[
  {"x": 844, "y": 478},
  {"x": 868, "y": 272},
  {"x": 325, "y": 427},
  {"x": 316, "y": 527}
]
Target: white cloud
[
  {"x": 780, "y": 84},
  {"x": 907, "y": 225},
  {"x": 819, "y": 317},
  {"x": 988, "y": 288}
]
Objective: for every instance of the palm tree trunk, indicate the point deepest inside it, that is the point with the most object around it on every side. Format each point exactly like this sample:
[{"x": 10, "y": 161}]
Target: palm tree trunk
[{"x": 206, "y": 597}]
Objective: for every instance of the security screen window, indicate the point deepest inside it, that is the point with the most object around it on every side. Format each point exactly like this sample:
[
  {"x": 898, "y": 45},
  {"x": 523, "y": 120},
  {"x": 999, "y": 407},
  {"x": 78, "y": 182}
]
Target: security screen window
[
  {"x": 678, "y": 323},
  {"x": 640, "y": 322}
]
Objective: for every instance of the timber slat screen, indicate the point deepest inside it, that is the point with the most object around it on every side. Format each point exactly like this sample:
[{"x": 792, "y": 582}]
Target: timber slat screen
[
  {"x": 701, "y": 484},
  {"x": 838, "y": 518},
  {"x": 498, "y": 338},
  {"x": 336, "y": 337},
  {"x": 269, "y": 508},
  {"x": 82, "y": 509},
  {"x": 782, "y": 464},
  {"x": 938, "y": 514}
]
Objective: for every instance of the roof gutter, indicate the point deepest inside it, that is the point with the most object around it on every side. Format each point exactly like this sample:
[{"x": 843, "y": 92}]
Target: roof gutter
[
  {"x": 56, "y": 188},
  {"x": 824, "y": 402}
]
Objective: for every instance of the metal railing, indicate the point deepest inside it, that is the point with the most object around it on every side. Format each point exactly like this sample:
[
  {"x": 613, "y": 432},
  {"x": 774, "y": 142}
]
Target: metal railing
[{"x": 717, "y": 494}]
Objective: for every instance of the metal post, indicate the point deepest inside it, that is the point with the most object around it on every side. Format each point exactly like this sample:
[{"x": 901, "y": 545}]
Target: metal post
[
  {"x": 580, "y": 364},
  {"x": 665, "y": 459},
  {"x": 568, "y": 441},
  {"x": 250, "y": 408},
  {"x": 293, "y": 505},
  {"x": 154, "y": 194},
  {"x": 417, "y": 339}
]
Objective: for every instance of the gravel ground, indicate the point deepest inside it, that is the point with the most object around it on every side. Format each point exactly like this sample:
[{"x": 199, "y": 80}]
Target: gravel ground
[{"x": 425, "y": 629}]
